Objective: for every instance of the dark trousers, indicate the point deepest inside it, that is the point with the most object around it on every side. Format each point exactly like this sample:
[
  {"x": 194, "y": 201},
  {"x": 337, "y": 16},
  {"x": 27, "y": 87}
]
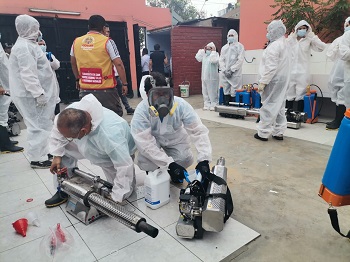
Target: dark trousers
[
  {"x": 120, "y": 93},
  {"x": 109, "y": 98}
]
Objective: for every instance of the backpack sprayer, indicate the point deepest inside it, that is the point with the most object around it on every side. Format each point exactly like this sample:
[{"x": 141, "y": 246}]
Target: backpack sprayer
[
  {"x": 248, "y": 102},
  {"x": 13, "y": 127},
  {"x": 205, "y": 204},
  {"x": 89, "y": 199}
]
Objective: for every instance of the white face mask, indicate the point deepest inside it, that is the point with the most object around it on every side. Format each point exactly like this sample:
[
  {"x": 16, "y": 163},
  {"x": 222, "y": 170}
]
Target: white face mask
[
  {"x": 43, "y": 47},
  {"x": 231, "y": 39},
  {"x": 347, "y": 28},
  {"x": 301, "y": 32},
  {"x": 208, "y": 52}
]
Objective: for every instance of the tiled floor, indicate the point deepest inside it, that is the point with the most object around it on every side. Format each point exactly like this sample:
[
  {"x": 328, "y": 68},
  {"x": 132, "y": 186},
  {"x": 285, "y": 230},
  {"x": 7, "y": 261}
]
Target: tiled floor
[
  {"x": 316, "y": 133},
  {"x": 106, "y": 239}
]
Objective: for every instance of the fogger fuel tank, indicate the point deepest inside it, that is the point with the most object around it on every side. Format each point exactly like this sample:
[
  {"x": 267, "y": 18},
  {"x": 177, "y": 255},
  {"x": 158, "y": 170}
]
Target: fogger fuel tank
[{"x": 335, "y": 188}]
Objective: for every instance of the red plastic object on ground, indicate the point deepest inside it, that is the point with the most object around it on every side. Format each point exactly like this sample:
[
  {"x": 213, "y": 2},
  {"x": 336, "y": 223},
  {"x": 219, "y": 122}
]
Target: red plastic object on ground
[{"x": 21, "y": 226}]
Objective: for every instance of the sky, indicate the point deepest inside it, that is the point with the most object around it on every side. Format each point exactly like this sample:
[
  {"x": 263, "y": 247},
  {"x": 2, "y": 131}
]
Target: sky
[{"x": 211, "y": 7}]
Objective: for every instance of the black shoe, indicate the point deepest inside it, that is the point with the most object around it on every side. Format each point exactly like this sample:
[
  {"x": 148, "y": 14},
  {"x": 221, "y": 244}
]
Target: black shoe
[
  {"x": 333, "y": 125},
  {"x": 260, "y": 138},
  {"x": 14, "y": 142},
  {"x": 130, "y": 111},
  {"x": 6, "y": 145},
  {"x": 49, "y": 156},
  {"x": 329, "y": 123},
  {"x": 278, "y": 137},
  {"x": 57, "y": 199},
  {"x": 40, "y": 164}
]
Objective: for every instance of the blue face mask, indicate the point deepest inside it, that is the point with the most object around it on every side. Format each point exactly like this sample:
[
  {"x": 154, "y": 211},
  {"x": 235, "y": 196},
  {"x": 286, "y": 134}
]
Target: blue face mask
[
  {"x": 268, "y": 36},
  {"x": 231, "y": 39},
  {"x": 207, "y": 52},
  {"x": 347, "y": 28},
  {"x": 43, "y": 47},
  {"x": 301, "y": 32}
]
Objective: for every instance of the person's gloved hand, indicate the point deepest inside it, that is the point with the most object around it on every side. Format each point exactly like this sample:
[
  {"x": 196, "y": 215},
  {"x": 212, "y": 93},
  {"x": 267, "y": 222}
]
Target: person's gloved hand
[
  {"x": 41, "y": 101},
  {"x": 261, "y": 87},
  {"x": 203, "y": 168},
  {"x": 228, "y": 73},
  {"x": 49, "y": 56},
  {"x": 176, "y": 172}
]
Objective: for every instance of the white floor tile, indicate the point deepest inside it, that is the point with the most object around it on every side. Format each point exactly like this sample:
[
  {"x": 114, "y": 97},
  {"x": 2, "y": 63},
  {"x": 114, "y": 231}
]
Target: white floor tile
[
  {"x": 14, "y": 181},
  {"x": 11, "y": 157},
  {"x": 14, "y": 166},
  {"x": 47, "y": 218},
  {"x": 107, "y": 235},
  {"x": 161, "y": 248},
  {"x": 215, "y": 246},
  {"x": 31, "y": 252},
  {"x": 165, "y": 215},
  {"x": 16, "y": 201}
]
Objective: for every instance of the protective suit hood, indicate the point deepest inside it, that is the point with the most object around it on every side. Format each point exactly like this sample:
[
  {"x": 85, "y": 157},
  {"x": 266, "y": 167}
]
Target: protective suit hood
[
  {"x": 276, "y": 29},
  {"x": 234, "y": 33},
  {"x": 27, "y": 27},
  {"x": 301, "y": 23},
  {"x": 90, "y": 104},
  {"x": 212, "y": 45},
  {"x": 347, "y": 21}
]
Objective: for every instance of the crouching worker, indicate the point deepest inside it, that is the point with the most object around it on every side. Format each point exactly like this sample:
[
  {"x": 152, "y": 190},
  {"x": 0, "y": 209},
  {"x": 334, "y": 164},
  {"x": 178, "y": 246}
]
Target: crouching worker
[
  {"x": 163, "y": 127},
  {"x": 87, "y": 130}
]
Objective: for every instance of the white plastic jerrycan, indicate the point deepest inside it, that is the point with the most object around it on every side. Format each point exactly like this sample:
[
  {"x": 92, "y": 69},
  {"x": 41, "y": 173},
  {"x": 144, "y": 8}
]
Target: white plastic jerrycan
[{"x": 157, "y": 188}]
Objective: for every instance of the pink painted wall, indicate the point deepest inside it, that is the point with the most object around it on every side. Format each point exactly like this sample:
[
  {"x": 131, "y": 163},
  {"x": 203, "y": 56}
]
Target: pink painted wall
[
  {"x": 252, "y": 28},
  {"x": 130, "y": 11}
]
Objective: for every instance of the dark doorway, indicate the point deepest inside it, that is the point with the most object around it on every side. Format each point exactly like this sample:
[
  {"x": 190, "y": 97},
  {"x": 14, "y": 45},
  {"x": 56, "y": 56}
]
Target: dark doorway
[
  {"x": 59, "y": 35},
  {"x": 137, "y": 47}
]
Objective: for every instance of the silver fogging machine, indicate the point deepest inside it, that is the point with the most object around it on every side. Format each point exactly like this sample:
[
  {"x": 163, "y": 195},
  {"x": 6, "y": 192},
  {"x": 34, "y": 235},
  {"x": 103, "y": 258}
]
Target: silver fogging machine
[
  {"x": 205, "y": 205},
  {"x": 89, "y": 199}
]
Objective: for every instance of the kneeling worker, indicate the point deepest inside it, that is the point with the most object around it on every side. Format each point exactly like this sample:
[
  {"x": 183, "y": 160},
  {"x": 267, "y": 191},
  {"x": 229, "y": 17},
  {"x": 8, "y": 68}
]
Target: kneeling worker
[
  {"x": 86, "y": 130},
  {"x": 163, "y": 127}
]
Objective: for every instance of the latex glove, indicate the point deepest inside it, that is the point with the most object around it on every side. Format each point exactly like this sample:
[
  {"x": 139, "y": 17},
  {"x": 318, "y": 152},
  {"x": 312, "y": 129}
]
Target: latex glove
[
  {"x": 41, "y": 101},
  {"x": 49, "y": 56},
  {"x": 310, "y": 35},
  {"x": 228, "y": 73},
  {"x": 176, "y": 172},
  {"x": 203, "y": 168},
  {"x": 261, "y": 87}
]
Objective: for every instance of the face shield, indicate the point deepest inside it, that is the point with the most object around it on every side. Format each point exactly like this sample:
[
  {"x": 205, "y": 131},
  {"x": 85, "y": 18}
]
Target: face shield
[{"x": 161, "y": 100}]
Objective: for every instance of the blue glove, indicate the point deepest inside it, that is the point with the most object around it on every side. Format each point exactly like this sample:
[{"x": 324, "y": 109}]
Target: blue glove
[{"x": 49, "y": 56}]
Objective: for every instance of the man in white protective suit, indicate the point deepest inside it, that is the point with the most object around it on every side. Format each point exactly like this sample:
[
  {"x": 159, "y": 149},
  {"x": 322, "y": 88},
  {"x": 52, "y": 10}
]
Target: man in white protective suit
[
  {"x": 210, "y": 75},
  {"x": 34, "y": 90},
  {"x": 231, "y": 62},
  {"x": 87, "y": 130},
  {"x": 273, "y": 83},
  {"x": 163, "y": 128},
  {"x": 344, "y": 48},
  {"x": 336, "y": 79},
  {"x": 6, "y": 145},
  {"x": 300, "y": 44}
]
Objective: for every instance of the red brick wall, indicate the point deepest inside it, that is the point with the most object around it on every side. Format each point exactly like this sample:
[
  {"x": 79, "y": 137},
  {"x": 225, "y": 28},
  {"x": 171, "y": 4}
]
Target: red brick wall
[{"x": 185, "y": 42}]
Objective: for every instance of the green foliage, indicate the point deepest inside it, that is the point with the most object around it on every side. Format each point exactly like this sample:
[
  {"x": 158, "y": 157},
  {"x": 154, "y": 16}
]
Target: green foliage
[
  {"x": 326, "y": 17},
  {"x": 182, "y": 7}
]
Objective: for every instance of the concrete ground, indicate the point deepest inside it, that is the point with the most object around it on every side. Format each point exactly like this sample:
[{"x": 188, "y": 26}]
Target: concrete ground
[
  {"x": 274, "y": 187},
  {"x": 292, "y": 219}
]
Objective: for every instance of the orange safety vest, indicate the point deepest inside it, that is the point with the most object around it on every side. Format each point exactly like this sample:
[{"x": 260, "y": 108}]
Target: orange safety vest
[{"x": 94, "y": 63}]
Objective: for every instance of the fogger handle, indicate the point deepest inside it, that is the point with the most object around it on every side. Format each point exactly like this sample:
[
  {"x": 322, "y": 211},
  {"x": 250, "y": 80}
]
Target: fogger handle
[{"x": 147, "y": 228}]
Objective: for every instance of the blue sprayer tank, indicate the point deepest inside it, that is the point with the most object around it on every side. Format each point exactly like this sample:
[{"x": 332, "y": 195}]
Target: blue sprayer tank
[
  {"x": 336, "y": 178},
  {"x": 221, "y": 96},
  {"x": 243, "y": 96},
  {"x": 256, "y": 98},
  {"x": 310, "y": 105}
]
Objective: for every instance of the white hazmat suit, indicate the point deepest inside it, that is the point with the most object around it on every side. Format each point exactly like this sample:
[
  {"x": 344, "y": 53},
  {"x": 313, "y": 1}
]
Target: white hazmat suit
[
  {"x": 231, "y": 61},
  {"x": 109, "y": 145},
  {"x": 161, "y": 143},
  {"x": 4, "y": 83},
  {"x": 210, "y": 76},
  {"x": 301, "y": 54},
  {"x": 274, "y": 73},
  {"x": 344, "y": 49},
  {"x": 33, "y": 87}
]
